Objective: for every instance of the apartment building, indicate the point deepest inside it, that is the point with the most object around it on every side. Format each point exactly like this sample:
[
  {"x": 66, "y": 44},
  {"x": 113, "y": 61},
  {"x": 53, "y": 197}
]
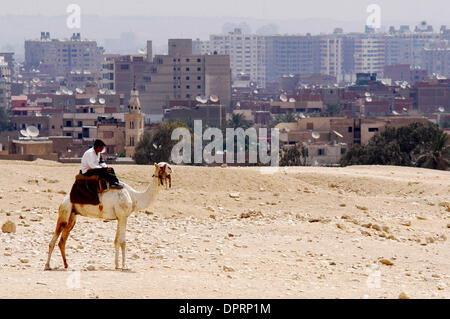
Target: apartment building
[
  {"x": 332, "y": 57},
  {"x": 178, "y": 75},
  {"x": 436, "y": 58},
  {"x": 5, "y": 83},
  {"x": 369, "y": 54},
  {"x": 58, "y": 57},
  {"x": 292, "y": 54},
  {"x": 246, "y": 51}
]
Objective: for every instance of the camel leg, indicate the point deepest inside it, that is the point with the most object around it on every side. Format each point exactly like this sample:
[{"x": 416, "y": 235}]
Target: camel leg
[
  {"x": 65, "y": 235},
  {"x": 119, "y": 242},
  {"x": 60, "y": 225}
]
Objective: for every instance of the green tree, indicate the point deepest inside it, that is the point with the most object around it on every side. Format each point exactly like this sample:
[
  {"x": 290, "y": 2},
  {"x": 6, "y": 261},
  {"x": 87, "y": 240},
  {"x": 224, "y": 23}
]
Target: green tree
[
  {"x": 405, "y": 146},
  {"x": 238, "y": 121},
  {"x": 294, "y": 156},
  {"x": 283, "y": 118},
  {"x": 157, "y": 147},
  {"x": 438, "y": 157}
]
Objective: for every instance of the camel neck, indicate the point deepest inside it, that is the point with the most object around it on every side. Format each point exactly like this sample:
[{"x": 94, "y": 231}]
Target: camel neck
[{"x": 145, "y": 199}]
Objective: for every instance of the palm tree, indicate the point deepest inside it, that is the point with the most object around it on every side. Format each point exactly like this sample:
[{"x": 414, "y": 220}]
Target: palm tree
[
  {"x": 439, "y": 154},
  {"x": 238, "y": 121},
  {"x": 283, "y": 118}
]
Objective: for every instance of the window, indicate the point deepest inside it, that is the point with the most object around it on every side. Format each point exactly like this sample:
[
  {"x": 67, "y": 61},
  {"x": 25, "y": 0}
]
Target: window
[
  {"x": 188, "y": 78},
  {"x": 343, "y": 151},
  {"x": 310, "y": 126},
  {"x": 199, "y": 69},
  {"x": 373, "y": 129},
  {"x": 80, "y": 123},
  {"x": 188, "y": 69},
  {"x": 199, "y": 78},
  {"x": 321, "y": 152},
  {"x": 350, "y": 129},
  {"x": 125, "y": 67},
  {"x": 69, "y": 123}
]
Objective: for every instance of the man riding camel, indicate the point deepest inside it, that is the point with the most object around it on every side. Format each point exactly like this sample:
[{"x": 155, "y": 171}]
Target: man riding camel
[{"x": 92, "y": 163}]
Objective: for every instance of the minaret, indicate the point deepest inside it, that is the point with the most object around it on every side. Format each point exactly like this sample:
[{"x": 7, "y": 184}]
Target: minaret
[{"x": 134, "y": 122}]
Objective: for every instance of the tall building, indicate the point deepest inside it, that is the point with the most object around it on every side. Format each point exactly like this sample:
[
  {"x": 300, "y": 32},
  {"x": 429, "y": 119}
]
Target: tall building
[
  {"x": 369, "y": 55},
  {"x": 246, "y": 51},
  {"x": 134, "y": 124},
  {"x": 332, "y": 57},
  {"x": 406, "y": 47},
  {"x": 5, "y": 83},
  {"x": 180, "y": 75},
  {"x": 436, "y": 58},
  {"x": 59, "y": 57},
  {"x": 294, "y": 54}
]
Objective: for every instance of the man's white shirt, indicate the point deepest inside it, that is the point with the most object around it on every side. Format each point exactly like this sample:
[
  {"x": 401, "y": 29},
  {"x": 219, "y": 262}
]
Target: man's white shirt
[{"x": 90, "y": 160}]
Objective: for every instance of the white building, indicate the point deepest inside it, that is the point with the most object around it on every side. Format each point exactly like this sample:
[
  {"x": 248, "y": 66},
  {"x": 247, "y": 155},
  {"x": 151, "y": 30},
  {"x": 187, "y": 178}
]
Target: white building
[
  {"x": 332, "y": 57},
  {"x": 5, "y": 83},
  {"x": 246, "y": 51}
]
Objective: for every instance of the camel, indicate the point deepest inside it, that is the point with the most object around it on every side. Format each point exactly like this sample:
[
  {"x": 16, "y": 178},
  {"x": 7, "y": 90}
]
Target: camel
[{"x": 115, "y": 204}]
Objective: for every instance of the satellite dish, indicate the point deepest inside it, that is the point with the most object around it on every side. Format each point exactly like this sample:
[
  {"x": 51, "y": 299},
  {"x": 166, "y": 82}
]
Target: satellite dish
[
  {"x": 315, "y": 135},
  {"x": 203, "y": 99},
  {"x": 214, "y": 98},
  {"x": 302, "y": 116},
  {"x": 292, "y": 100},
  {"x": 283, "y": 98},
  {"x": 58, "y": 93},
  {"x": 113, "y": 92},
  {"x": 141, "y": 51},
  {"x": 101, "y": 100},
  {"x": 367, "y": 94},
  {"x": 395, "y": 112},
  {"x": 441, "y": 109},
  {"x": 369, "y": 99},
  {"x": 238, "y": 104},
  {"x": 198, "y": 98},
  {"x": 36, "y": 80},
  {"x": 405, "y": 109},
  {"x": 24, "y": 133},
  {"x": 92, "y": 100},
  {"x": 70, "y": 92},
  {"x": 338, "y": 134},
  {"x": 255, "y": 91},
  {"x": 102, "y": 91},
  {"x": 79, "y": 91},
  {"x": 32, "y": 131},
  {"x": 65, "y": 91}
]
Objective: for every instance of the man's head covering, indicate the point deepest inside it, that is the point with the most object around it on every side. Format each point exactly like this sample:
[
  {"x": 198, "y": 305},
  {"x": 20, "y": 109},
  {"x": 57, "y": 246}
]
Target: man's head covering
[{"x": 99, "y": 143}]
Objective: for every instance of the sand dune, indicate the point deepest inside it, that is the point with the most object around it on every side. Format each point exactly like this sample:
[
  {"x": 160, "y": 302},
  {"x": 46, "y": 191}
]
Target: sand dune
[{"x": 357, "y": 232}]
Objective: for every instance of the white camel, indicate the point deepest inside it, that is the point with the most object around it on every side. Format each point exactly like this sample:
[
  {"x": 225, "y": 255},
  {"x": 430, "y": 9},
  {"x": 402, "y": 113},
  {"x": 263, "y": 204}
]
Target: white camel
[{"x": 116, "y": 204}]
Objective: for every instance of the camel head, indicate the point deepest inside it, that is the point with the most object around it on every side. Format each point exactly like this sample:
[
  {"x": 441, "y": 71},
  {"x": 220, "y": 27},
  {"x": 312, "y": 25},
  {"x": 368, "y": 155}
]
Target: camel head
[{"x": 163, "y": 172}]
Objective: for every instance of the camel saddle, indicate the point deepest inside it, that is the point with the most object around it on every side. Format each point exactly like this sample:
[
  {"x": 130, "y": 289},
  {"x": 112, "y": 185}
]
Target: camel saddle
[{"x": 85, "y": 190}]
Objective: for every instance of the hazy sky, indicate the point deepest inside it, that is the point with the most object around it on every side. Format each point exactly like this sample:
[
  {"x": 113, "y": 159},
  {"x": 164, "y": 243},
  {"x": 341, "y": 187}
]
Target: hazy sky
[{"x": 415, "y": 10}]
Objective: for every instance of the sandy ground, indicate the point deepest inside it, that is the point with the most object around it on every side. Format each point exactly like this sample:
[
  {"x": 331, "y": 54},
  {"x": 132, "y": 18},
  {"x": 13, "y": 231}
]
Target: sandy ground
[{"x": 357, "y": 232}]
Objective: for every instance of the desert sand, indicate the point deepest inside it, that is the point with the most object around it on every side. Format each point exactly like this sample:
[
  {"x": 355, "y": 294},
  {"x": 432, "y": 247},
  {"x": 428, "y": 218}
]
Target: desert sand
[{"x": 306, "y": 232}]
